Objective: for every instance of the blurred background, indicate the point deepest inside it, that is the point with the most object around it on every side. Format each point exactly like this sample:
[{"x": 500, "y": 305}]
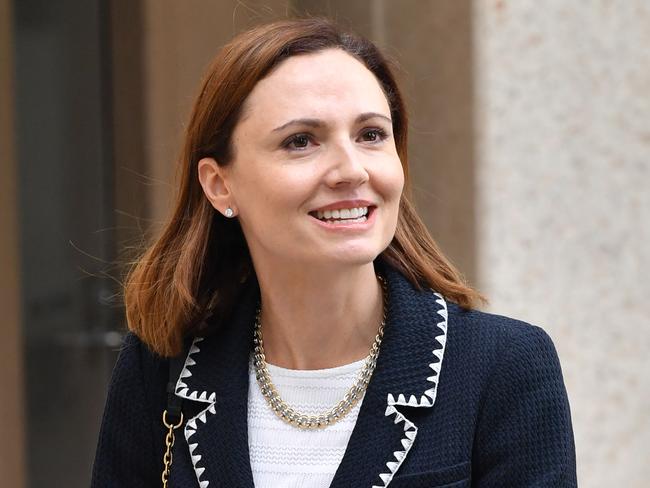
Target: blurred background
[{"x": 530, "y": 157}]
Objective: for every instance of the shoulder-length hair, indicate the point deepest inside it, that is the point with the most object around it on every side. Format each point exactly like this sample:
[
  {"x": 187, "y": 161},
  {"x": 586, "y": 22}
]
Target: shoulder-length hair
[{"x": 197, "y": 265}]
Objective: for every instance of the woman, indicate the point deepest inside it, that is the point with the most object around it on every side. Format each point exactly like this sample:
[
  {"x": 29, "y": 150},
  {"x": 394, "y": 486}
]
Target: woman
[{"x": 324, "y": 340}]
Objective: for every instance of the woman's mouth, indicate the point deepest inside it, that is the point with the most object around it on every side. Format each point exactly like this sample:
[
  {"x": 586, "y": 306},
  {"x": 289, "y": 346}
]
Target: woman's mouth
[{"x": 342, "y": 215}]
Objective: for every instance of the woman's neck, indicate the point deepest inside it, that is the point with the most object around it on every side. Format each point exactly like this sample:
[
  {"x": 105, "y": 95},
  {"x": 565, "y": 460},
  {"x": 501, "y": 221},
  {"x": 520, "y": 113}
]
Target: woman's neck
[{"x": 319, "y": 319}]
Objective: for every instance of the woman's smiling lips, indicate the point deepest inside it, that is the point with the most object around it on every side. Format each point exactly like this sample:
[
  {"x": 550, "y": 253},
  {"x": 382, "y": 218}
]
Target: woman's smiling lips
[{"x": 345, "y": 215}]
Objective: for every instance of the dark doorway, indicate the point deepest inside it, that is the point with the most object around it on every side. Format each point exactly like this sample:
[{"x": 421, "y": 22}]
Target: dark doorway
[{"x": 66, "y": 188}]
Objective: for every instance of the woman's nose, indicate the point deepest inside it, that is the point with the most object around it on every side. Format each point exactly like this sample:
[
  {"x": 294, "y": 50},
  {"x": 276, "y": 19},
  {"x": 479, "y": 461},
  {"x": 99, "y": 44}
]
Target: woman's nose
[{"x": 346, "y": 168}]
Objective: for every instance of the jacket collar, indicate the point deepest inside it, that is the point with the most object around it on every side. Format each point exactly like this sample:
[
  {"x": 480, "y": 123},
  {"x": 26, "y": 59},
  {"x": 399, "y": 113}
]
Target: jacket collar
[{"x": 215, "y": 376}]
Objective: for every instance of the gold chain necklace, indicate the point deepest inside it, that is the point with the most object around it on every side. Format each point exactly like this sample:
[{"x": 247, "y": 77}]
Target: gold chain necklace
[{"x": 286, "y": 412}]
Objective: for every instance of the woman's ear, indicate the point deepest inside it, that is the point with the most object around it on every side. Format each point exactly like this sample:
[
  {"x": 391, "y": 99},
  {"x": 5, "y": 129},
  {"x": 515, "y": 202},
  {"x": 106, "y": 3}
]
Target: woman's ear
[{"x": 215, "y": 184}]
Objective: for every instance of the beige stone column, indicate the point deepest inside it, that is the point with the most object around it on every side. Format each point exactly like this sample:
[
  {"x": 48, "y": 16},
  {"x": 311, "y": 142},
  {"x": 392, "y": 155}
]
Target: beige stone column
[
  {"x": 563, "y": 111},
  {"x": 12, "y": 460}
]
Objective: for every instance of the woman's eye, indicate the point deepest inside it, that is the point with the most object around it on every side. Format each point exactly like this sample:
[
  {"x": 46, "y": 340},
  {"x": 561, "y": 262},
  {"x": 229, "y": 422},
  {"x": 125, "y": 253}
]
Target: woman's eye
[
  {"x": 297, "y": 142},
  {"x": 375, "y": 135}
]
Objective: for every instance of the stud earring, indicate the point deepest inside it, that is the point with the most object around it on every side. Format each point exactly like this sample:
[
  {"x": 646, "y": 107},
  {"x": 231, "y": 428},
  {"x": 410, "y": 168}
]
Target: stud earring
[{"x": 229, "y": 212}]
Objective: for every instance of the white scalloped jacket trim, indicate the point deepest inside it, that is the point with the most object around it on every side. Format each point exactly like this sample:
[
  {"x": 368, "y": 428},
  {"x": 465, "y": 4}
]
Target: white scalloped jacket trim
[
  {"x": 427, "y": 400},
  {"x": 410, "y": 430},
  {"x": 182, "y": 390}
]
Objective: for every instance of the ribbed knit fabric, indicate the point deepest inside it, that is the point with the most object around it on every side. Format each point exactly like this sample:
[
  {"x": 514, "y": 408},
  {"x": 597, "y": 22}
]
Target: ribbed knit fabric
[{"x": 285, "y": 456}]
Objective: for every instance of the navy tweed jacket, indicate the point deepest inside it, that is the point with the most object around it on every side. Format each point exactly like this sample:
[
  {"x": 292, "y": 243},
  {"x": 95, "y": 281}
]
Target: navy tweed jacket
[{"x": 459, "y": 398}]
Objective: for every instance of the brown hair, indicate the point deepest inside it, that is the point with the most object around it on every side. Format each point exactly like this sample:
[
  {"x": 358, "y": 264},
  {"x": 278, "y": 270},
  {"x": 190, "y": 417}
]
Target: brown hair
[{"x": 194, "y": 267}]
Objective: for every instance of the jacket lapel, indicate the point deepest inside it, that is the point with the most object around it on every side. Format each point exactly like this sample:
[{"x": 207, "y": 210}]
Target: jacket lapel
[
  {"x": 407, "y": 373},
  {"x": 217, "y": 434}
]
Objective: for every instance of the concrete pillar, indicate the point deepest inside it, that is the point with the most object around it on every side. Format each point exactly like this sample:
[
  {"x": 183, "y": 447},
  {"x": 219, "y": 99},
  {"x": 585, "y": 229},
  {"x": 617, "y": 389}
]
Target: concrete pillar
[{"x": 563, "y": 174}]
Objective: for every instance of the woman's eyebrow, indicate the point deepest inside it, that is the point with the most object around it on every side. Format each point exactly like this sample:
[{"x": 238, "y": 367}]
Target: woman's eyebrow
[
  {"x": 307, "y": 122},
  {"x": 320, "y": 123},
  {"x": 369, "y": 115}
]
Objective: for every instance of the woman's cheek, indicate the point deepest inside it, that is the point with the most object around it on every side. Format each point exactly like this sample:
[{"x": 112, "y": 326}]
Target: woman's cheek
[{"x": 391, "y": 181}]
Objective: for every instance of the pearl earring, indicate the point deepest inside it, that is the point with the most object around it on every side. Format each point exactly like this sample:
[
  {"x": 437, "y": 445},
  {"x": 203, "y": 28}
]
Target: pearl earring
[{"x": 229, "y": 212}]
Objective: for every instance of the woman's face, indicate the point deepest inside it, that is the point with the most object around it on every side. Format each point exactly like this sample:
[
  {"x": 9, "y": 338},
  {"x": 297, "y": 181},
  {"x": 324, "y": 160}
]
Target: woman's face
[{"x": 316, "y": 178}]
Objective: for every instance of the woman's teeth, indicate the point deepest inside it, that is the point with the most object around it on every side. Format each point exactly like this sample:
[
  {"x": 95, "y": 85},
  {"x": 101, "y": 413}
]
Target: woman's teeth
[{"x": 357, "y": 214}]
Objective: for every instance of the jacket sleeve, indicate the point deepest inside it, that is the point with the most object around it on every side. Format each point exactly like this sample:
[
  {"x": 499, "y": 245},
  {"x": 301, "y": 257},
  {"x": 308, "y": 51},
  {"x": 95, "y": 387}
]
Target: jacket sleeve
[
  {"x": 125, "y": 451},
  {"x": 524, "y": 435}
]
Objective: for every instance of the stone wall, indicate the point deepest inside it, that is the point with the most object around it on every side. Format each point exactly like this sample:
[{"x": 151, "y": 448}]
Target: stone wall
[{"x": 563, "y": 206}]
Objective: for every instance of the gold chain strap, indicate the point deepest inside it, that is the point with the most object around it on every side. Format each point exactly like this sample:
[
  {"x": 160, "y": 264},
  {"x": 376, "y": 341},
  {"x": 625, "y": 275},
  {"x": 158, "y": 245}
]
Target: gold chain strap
[{"x": 169, "y": 441}]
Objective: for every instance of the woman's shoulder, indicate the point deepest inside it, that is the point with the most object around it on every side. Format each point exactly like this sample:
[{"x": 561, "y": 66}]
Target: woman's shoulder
[
  {"x": 511, "y": 371},
  {"x": 494, "y": 341},
  {"x": 135, "y": 349},
  {"x": 491, "y": 328},
  {"x": 504, "y": 359},
  {"x": 137, "y": 363}
]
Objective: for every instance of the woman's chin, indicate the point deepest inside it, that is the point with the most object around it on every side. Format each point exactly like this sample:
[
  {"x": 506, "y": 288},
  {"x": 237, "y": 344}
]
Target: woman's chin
[{"x": 350, "y": 257}]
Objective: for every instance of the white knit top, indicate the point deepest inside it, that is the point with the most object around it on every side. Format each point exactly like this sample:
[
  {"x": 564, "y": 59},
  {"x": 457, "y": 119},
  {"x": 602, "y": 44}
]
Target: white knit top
[{"x": 284, "y": 456}]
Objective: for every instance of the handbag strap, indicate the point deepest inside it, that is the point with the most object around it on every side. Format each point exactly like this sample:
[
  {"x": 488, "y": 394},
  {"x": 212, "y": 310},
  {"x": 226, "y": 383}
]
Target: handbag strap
[
  {"x": 174, "y": 402},
  {"x": 173, "y": 414}
]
